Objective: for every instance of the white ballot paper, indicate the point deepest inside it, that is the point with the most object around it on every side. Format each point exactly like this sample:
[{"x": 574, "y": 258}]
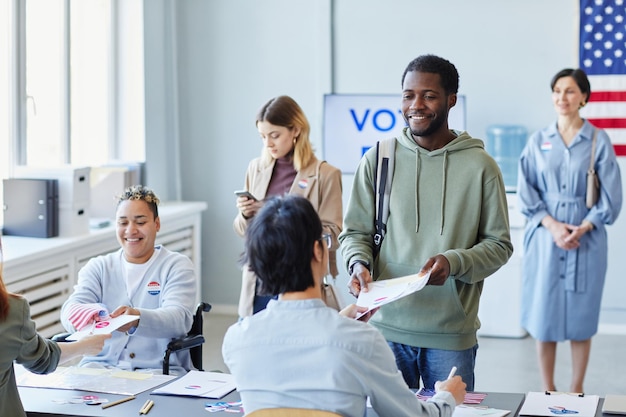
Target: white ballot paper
[
  {"x": 106, "y": 381},
  {"x": 478, "y": 411},
  {"x": 387, "y": 290},
  {"x": 550, "y": 404},
  {"x": 199, "y": 384},
  {"x": 104, "y": 326}
]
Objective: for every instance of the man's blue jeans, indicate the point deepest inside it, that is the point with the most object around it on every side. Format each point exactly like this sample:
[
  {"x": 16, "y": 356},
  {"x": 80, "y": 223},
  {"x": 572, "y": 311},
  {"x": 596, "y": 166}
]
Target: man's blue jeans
[{"x": 433, "y": 365}]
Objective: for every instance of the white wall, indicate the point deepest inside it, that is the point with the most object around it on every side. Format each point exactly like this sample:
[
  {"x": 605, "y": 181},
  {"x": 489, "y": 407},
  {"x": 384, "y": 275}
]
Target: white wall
[
  {"x": 506, "y": 52},
  {"x": 235, "y": 55}
]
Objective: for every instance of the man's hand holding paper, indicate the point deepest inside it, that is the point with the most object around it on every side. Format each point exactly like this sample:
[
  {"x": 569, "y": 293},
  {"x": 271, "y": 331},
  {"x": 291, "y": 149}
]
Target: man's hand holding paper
[
  {"x": 439, "y": 269},
  {"x": 385, "y": 291}
]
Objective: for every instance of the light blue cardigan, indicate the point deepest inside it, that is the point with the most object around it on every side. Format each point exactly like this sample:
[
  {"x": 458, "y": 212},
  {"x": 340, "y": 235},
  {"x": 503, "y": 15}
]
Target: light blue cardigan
[{"x": 165, "y": 299}]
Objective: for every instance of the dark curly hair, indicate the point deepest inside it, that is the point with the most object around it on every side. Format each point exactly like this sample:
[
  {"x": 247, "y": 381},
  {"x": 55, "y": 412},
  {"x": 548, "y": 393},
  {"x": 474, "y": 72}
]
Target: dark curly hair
[
  {"x": 436, "y": 65},
  {"x": 139, "y": 192}
]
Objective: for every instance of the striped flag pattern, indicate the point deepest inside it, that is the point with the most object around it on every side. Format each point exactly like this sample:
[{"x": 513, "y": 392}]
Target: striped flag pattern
[
  {"x": 81, "y": 315},
  {"x": 603, "y": 58}
]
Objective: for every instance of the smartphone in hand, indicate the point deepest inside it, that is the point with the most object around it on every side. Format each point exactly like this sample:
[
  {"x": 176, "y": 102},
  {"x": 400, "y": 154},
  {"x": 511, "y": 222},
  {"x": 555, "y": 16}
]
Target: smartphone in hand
[{"x": 244, "y": 193}]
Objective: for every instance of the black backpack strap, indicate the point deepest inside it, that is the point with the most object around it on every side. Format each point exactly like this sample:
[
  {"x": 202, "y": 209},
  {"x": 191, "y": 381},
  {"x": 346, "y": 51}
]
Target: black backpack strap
[{"x": 385, "y": 156}]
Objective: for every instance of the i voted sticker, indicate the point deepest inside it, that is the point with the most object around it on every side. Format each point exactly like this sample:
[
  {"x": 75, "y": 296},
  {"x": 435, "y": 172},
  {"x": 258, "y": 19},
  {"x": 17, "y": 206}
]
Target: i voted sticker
[{"x": 154, "y": 288}]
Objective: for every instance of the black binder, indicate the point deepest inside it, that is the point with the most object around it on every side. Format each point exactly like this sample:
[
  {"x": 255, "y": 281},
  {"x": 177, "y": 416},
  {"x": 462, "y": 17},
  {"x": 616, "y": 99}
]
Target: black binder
[{"x": 31, "y": 207}]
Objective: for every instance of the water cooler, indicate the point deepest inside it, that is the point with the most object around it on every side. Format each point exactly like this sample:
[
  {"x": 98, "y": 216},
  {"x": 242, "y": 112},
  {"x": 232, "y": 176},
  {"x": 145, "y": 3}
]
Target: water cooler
[
  {"x": 500, "y": 302},
  {"x": 505, "y": 144}
]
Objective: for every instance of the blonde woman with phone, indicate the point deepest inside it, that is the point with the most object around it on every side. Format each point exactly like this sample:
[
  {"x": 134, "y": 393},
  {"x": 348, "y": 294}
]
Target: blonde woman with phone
[{"x": 287, "y": 165}]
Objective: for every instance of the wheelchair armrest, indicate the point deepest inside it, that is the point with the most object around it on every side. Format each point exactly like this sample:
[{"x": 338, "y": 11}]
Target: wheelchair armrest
[
  {"x": 192, "y": 342},
  {"x": 61, "y": 338},
  {"x": 186, "y": 342}
]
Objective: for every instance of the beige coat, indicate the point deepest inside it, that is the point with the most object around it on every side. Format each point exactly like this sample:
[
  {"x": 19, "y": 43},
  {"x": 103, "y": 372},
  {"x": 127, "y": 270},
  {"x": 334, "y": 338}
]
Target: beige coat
[{"x": 320, "y": 183}]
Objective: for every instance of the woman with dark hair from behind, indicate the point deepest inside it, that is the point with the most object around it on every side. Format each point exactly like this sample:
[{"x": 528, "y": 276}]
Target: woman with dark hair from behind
[
  {"x": 320, "y": 359},
  {"x": 21, "y": 343}
]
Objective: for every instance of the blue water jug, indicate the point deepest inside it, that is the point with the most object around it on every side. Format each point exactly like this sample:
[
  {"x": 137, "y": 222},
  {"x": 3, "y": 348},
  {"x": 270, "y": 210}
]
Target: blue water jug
[{"x": 505, "y": 144}]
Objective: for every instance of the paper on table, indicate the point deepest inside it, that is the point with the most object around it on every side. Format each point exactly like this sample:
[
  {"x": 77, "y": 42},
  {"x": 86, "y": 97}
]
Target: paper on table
[
  {"x": 200, "y": 384},
  {"x": 108, "y": 381},
  {"x": 385, "y": 291},
  {"x": 559, "y": 403},
  {"x": 478, "y": 411},
  {"x": 104, "y": 327}
]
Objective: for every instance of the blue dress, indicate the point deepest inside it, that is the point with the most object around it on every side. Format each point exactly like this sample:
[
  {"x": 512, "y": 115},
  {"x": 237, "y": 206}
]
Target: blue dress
[{"x": 562, "y": 289}]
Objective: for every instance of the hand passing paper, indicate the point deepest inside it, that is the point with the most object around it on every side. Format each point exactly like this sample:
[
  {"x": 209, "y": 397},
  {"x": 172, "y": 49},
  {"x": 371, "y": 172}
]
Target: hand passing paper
[
  {"x": 83, "y": 315},
  {"x": 385, "y": 291},
  {"x": 104, "y": 326}
]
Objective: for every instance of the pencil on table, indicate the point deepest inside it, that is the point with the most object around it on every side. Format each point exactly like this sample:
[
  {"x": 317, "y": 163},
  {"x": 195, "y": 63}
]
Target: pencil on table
[
  {"x": 123, "y": 400},
  {"x": 146, "y": 407}
]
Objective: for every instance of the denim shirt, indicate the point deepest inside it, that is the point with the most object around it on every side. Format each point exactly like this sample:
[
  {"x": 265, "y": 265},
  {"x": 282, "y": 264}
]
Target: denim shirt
[{"x": 303, "y": 354}]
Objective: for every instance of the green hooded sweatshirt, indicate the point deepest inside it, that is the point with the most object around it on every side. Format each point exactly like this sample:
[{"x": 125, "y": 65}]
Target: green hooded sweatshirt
[{"x": 450, "y": 201}]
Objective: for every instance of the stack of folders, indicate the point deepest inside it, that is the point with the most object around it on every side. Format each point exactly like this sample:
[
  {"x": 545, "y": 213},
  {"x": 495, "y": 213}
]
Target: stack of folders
[{"x": 31, "y": 207}]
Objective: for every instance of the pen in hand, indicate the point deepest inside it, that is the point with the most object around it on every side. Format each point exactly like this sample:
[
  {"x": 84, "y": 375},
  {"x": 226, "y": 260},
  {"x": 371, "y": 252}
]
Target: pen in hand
[{"x": 454, "y": 385}]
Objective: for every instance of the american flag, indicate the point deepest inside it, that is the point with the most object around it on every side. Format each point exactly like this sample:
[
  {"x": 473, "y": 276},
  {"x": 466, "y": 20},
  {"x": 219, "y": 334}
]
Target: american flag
[{"x": 603, "y": 58}]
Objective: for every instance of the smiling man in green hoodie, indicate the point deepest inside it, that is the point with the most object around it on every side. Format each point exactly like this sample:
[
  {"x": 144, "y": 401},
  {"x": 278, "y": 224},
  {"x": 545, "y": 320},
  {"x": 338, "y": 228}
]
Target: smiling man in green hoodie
[{"x": 447, "y": 216}]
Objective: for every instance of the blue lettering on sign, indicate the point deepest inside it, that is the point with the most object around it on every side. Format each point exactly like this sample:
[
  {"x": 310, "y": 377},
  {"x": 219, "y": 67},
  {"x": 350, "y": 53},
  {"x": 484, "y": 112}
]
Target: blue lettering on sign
[
  {"x": 385, "y": 124},
  {"x": 377, "y": 125},
  {"x": 359, "y": 126}
]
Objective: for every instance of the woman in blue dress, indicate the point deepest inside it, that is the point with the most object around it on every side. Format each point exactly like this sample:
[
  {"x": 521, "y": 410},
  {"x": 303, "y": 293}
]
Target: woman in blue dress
[{"x": 565, "y": 243}]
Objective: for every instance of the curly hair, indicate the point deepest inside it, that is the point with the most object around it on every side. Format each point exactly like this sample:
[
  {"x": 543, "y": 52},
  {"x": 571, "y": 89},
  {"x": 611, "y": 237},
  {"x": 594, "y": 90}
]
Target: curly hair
[
  {"x": 139, "y": 192},
  {"x": 436, "y": 65}
]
